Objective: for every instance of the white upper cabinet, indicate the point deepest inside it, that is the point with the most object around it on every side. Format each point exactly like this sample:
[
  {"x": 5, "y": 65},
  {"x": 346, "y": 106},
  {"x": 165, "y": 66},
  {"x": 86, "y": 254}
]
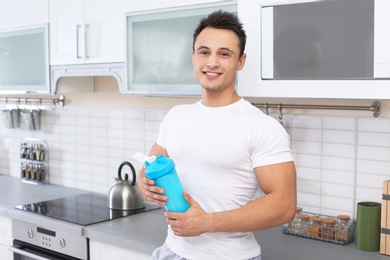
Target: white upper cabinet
[
  {"x": 159, "y": 45},
  {"x": 22, "y": 13},
  {"x": 316, "y": 49},
  {"x": 24, "y": 66},
  {"x": 86, "y": 31}
]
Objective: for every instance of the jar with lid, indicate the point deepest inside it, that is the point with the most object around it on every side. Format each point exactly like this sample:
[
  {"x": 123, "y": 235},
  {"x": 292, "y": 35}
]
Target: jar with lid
[
  {"x": 303, "y": 223},
  {"x": 314, "y": 229},
  {"x": 342, "y": 228},
  {"x": 327, "y": 230},
  {"x": 23, "y": 170},
  {"x": 291, "y": 225}
]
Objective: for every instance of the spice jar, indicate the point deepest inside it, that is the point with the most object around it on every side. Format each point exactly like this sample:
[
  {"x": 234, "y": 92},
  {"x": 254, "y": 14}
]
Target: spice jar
[
  {"x": 342, "y": 228},
  {"x": 301, "y": 226},
  {"x": 291, "y": 225},
  {"x": 314, "y": 229},
  {"x": 327, "y": 230}
]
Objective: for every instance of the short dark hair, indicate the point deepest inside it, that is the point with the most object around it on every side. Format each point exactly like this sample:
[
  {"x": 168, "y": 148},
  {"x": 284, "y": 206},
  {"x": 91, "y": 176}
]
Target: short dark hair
[{"x": 222, "y": 20}]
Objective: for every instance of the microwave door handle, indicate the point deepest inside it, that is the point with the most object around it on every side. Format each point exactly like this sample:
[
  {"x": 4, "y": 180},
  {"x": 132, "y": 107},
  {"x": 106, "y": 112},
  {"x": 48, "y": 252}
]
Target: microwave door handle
[{"x": 27, "y": 254}]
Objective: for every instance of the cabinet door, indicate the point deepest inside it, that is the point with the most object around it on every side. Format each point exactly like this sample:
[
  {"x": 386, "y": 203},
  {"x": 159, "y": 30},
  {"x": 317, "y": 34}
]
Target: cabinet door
[
  {"x": 5, "y": 231},
  {"x": 23, "y": 13},
  {"x": 86, "y": 31},
  {"x": 101, "y": 251},
  {"x": 66, "y": 32},
  {"x": 5, "y": 237},
  {"x": 24, "y": 63},
  {"x": 105, "y": 31}
]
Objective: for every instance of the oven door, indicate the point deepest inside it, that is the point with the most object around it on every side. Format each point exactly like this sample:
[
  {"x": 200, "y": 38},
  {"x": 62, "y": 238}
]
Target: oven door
[{"x": 25, "y": 251}]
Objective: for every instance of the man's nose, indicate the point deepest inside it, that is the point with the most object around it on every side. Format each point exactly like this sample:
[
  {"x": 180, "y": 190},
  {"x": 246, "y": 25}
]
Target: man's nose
[{"x": 212, "y": 61}]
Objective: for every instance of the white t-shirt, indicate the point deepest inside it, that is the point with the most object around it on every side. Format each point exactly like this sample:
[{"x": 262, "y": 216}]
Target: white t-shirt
[{"x": 215, "y": 150}]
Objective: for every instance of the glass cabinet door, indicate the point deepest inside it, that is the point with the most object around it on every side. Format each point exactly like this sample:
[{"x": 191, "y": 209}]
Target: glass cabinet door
[
  {"x": 159, "y": 49},
  {"x": 24, "y": 63}
]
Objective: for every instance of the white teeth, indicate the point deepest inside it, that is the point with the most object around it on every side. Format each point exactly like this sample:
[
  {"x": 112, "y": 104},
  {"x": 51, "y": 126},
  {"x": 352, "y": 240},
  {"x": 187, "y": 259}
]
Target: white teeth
[{"x": 211, "y": 74}]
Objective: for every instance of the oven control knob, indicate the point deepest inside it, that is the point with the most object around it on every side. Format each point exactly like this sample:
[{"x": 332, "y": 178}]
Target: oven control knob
[
  {"x": 62, "y": 242},
  {"x": 30, "y": 233}
]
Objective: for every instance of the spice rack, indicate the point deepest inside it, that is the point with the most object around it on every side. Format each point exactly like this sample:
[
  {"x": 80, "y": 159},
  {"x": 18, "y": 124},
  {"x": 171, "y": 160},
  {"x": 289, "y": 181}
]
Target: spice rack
[
  {"x": 34, "y": 156},
  {"x": 318, "y": 232}
]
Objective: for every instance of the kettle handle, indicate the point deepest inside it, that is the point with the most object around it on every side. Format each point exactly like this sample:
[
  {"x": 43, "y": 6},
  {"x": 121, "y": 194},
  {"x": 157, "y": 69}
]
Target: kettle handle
[{"x": 132, "y": 170}]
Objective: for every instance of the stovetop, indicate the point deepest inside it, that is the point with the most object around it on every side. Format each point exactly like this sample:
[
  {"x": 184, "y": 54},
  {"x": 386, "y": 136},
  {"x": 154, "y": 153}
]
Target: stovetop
[{"x": 84, "y": 209}]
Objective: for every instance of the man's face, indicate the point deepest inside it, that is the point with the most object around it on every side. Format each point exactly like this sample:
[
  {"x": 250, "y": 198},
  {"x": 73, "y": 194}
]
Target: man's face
[{"x": 216, "y": 58}]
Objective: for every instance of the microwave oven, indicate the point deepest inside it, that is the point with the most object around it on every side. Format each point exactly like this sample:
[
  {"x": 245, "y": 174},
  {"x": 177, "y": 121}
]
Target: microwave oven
[{"x": 316, "y": 48}]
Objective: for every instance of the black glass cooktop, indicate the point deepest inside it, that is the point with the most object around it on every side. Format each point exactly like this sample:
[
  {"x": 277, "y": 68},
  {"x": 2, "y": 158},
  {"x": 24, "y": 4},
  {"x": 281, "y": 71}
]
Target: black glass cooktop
[{"x": 84, "y": 209}]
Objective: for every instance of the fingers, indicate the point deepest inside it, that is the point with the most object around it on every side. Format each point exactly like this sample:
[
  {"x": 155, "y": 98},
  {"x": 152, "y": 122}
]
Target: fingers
[{"x": 152, "y": 193}]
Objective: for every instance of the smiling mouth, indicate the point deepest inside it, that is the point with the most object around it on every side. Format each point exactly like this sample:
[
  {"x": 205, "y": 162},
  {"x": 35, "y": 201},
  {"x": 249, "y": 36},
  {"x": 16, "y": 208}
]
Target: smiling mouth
[{"x": 212, "y": 74}]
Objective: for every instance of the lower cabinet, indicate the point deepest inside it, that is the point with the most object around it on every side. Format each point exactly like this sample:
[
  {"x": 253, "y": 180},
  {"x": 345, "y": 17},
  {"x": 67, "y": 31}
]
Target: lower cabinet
[
  {"x": 103, "y": 251},
  {"x": 5, "y": 237}
]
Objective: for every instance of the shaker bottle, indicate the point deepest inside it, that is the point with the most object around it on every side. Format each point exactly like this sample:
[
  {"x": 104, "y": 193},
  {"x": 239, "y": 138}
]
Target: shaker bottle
[{"x": 163, "y": 172}]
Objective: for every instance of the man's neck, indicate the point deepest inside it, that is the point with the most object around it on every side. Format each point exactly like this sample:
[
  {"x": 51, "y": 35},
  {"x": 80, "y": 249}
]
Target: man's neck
[{"x": 217, "y": 99}]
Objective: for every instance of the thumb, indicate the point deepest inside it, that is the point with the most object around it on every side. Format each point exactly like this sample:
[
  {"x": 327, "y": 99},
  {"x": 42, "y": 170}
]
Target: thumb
[{"x": 188, "y": 198}]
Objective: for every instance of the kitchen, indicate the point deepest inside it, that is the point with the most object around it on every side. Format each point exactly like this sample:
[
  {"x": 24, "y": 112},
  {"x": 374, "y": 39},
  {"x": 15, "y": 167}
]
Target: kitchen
[{"x": 341, "y": 156}]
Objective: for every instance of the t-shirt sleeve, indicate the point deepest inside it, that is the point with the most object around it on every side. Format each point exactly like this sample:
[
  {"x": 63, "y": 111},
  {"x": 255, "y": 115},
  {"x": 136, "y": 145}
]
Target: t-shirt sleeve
[{"x": 271, "y": 144}]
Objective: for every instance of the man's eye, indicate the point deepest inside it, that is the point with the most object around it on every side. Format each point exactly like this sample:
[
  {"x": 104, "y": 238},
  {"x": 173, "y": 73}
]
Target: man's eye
[
  {"x": 203, "y": 52},
  {"x": 224, "y": 54}
]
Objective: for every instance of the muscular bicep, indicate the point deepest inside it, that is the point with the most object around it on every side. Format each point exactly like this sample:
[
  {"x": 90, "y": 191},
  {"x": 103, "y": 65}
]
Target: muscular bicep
[{"x": 277, "y": 178}]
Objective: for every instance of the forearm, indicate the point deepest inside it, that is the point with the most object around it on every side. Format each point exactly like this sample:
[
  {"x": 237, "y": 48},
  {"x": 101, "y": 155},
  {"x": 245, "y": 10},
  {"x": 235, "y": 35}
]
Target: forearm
[{"x": 263, "y": 213}]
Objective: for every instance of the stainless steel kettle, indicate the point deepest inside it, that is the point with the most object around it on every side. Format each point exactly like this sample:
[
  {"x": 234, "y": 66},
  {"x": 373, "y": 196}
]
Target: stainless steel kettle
[{"x": 124, "y": 195}]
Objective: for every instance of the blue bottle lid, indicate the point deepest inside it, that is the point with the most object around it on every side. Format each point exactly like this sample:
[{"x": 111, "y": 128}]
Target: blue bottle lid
[{"x": 159, "y": 167}]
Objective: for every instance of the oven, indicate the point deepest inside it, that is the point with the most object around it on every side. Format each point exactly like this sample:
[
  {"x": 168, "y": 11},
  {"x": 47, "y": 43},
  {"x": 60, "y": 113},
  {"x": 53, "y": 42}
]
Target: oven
[{"x": 39, "y": 243}]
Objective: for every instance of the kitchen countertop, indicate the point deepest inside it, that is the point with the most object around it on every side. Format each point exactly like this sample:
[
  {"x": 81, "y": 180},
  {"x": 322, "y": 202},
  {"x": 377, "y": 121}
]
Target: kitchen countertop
[{"x": 146, "y": 231}]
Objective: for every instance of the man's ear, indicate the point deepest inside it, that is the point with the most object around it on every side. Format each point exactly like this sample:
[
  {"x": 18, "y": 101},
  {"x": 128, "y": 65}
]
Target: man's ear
[{"x": 241, "y": 62}]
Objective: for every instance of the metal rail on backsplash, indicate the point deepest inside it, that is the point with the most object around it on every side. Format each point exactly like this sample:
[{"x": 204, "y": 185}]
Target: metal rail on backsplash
[
  {"x": 374, "y": 108},
  {"x": 54, "y": 102}
]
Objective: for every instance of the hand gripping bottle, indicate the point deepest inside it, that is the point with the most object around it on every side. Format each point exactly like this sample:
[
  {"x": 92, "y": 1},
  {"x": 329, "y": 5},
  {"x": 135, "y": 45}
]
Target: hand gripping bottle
[{"x": 162, "y": 171}]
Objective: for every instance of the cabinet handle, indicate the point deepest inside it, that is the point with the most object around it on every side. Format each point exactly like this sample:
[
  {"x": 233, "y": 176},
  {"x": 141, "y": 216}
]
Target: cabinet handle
[
  {"x": 86, "y": 40},
  {"x": 78, "y": 26}
]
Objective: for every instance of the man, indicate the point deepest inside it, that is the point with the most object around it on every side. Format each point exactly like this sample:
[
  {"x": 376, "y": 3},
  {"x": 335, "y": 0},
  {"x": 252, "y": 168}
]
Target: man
[{"x": 224, "y": 150}]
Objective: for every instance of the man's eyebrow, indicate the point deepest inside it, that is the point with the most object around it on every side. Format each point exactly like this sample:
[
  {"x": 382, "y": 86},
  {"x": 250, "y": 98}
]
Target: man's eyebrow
[
  {"x": 223, "y": 48},
  {"x": 202, "y": 47}
]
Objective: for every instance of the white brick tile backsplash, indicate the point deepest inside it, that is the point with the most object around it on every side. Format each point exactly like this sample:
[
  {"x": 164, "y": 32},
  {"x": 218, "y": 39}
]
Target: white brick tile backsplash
[
  {"x": 103, "y": 122},
  {"x": 98, "y": 112},
  {"x": 338, "y": 123},
  {"x": 336, "y": 203},
  {"x": 337, "y": 190},
  {"x": 368, "y": 194},
  {"x": 308, "y": 199},
  {"x": 304, "y": 121},
  {"x": 116, "y": 113},
  {"x": 338, "y": 177},
  {"x": 374, "y": 139},
  {"x": 370, "y": 180},
  {"x": 338, "y": 136},
  {"x": 305, "y": 134},
  {"x": 374, "y": 167},
  {"x": 310, "y": 174},
  {"x": 307, "y": 160},
  {"x": 340, "y": 160},
  {"x": 373, "y": 153},
  {"x": 341, "y": 150},
  {"x": 378, "y": 125},
  {"x": 309, "y": 186},
  {"x": 338, "y": 163},
  {"x": 306, "y": 147}
]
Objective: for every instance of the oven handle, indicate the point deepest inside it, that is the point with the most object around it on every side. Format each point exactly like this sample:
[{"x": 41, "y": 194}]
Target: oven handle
[{"x": 24, "y": 253}]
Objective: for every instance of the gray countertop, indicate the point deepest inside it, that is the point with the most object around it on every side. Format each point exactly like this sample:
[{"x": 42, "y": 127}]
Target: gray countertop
[{"x": 146, "y": 231}]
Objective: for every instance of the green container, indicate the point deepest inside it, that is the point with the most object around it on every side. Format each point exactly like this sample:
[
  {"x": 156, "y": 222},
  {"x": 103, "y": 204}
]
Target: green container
[{"x": 368, "y": 226}]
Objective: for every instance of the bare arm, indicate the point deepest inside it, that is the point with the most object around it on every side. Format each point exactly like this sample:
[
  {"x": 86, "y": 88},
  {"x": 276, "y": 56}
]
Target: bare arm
[
  {"x": 150, "y": 192},
  {"x": 276, "y": 207}
]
